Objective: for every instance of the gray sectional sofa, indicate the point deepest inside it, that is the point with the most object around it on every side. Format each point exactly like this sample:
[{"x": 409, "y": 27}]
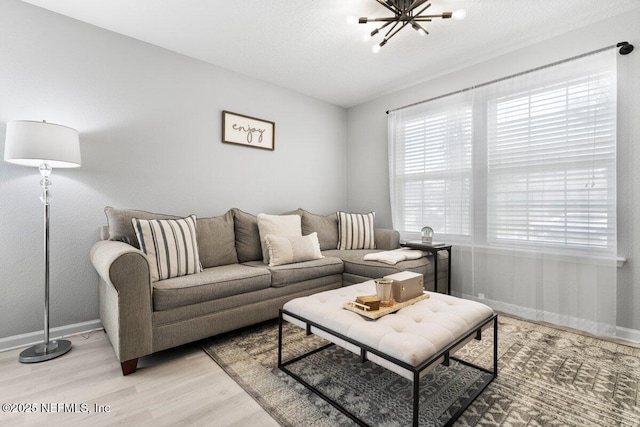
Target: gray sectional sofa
[{"x": 234, "y": 289}]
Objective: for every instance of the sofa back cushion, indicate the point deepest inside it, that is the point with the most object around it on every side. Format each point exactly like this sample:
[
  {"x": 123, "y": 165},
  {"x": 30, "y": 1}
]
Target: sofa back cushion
[
  {"x": 248, "y": 246},
  {"x": 216, "y": 241},
  {"x": 325, "y": 226},
  {"x": 121, "y": 227},
  {"x": 277, "y": 225}
]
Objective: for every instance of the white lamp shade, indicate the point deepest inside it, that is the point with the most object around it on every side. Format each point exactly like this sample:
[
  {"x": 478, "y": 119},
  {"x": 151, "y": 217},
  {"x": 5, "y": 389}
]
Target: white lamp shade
[{"x": 31, "y": 143}]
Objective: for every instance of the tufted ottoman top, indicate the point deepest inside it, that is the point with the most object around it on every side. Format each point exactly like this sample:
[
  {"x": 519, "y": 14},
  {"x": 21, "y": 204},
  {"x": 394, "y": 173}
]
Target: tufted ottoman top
[{"x": 413, "y": 334}]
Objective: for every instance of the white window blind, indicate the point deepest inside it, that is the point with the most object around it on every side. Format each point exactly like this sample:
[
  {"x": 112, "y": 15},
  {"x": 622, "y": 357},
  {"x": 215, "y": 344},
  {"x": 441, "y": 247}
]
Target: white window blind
[
  {"x": 432, "y": 164},
  {"x": 525, "y": 162},
  {"x": 551, "y": 164}
]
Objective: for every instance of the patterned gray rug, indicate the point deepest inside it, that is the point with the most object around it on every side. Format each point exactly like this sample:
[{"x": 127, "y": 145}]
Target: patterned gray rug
[{"x": 547, "y": 377}]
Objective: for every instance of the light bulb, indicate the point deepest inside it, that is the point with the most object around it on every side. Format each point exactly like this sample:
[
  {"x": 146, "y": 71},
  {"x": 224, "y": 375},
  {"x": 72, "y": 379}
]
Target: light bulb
[
  {"x": 459, "y": 14},
  {"x": 375, "y": 48},
  {"x": 352, "y": 20}
]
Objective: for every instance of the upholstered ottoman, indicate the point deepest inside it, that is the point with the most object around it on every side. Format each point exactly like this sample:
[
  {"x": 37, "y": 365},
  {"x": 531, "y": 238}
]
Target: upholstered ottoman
[{"x": 409, "y": 342}]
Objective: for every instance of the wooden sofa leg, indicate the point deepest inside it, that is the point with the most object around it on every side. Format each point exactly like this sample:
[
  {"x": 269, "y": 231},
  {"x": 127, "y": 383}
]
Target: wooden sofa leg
[{"x": 129, "y": 366}]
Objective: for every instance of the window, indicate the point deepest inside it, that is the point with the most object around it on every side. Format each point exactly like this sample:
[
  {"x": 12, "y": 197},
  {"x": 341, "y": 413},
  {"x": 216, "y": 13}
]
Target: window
[
  {"x": 551, "y": 164},
  {"x": 434, "y": 170},
  {"x": 544, "y": 171}
]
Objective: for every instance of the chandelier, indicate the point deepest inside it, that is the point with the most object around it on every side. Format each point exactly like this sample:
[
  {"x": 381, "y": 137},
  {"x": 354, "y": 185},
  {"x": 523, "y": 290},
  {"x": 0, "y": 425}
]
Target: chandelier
[{"x": 405, "y": 12}]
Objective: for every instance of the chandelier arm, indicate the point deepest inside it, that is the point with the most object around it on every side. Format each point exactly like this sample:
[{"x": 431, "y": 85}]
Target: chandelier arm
[
  {"x": 422, "y": 10},
  {"x": 401, "y": 14},
  {"x": 387, "y": 20},
  {"x": 387, "y": 24},
  {"x": 429, "y": 17},
  {"x": 386, "y": 6},
  {"x": 417, "y": 3},
  {"x": 407, "y": 15},
  {"x": 403, "y": 17},
  {"x": 404, "y": 24},
  {"x": 386, "y": 36},
  {"x": 377, "y": 30},
  {"x": 421, "y": 27}
]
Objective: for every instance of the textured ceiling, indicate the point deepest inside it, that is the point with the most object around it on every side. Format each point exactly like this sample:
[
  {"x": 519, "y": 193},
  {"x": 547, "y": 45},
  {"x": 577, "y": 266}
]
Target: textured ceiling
[{"x": 307, "y": 46}]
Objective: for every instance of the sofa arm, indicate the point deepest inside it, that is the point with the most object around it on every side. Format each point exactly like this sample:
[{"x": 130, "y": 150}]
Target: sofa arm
[
  {"x": 126, "y": 305},
  {"x": 386, "y": 239}
]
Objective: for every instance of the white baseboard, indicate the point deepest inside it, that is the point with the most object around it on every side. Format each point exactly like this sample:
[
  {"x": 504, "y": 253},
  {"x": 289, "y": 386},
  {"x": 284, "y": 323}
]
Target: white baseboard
[
  {"x": 597, "y": 329},
  {"x": 25, "y": 340},
  {"x": 627, "y": 334}
]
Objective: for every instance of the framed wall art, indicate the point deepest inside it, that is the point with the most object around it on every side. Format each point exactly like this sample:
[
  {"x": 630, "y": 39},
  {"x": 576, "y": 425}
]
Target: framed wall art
[{"x": 246, "y": 130}]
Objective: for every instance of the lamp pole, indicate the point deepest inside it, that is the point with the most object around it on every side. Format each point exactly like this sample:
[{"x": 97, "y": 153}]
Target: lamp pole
[
  {"x": 45, "y": 171},
  {"x": 48, "y": 349}
]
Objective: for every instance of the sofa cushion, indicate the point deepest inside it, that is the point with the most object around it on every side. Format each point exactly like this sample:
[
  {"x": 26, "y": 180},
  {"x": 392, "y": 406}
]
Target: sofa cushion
[
  {"x": 217, "y": 241},
  {"x": 210, "y": 284},
  {"x": 277, "y": 225},
  {"x": 245, "y": 226},
  {"x": 355, "y": 231},
  {"x": 326, "y": 227},
  {"x": 120, "y": 226},
  {"x": 170, "y": 245},
  {"x": 233, "y": 312},
  {"x": 354, "y": 263},
  {"x": 283, "y": 275},
  {"x": 387, "y": 239},
  {"x": 289, "y": 250}
]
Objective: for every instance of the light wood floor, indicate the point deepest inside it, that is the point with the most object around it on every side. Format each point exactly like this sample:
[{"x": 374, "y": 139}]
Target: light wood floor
[{"x": 182, "y": 386}]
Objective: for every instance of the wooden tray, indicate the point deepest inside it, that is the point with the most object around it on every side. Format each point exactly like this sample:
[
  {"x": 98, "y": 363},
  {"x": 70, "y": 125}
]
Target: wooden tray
[{"x": 375, "y": 314}]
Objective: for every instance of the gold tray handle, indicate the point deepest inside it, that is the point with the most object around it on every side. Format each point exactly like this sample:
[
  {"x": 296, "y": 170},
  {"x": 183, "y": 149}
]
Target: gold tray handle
[{"x": 360, "y": 306}]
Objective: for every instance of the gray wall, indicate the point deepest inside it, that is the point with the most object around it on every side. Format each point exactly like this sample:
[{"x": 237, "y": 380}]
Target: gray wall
[
  {"x": 149, "y": 123},
  {"x": 367, "y": 136}
]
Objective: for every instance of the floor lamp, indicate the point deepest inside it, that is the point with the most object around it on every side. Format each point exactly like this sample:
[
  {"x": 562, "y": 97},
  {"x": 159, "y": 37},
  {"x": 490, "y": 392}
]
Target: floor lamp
[{"x": 43, "y": 145}]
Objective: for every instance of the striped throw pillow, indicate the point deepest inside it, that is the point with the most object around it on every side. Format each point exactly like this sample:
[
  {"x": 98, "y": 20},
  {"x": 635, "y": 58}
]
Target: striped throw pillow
[
  {"x": 170, "y": 246},
  {"x": 355, "y": 231}
]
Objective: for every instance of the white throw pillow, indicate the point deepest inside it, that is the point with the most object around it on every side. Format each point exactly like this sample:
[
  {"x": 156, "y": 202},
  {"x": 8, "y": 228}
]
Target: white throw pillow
[
  {"x": 170, "y": 246},
  {"x": 289, "y": 250},
  {"x": 355, "y": 231},
  {"x": 277, "y": 225}
]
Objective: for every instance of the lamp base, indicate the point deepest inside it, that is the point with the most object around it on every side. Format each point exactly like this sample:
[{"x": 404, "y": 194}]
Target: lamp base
[{"x": 42, "y": 352}]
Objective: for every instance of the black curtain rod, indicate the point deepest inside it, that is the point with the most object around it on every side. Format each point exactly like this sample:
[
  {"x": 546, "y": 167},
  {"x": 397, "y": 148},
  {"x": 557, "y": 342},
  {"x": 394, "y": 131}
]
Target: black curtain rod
[{"x": 625, "y": 49}]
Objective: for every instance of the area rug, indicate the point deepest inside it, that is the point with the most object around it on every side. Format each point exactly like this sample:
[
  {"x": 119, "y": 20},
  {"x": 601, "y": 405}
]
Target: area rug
[{"x": 547, "y": 377}]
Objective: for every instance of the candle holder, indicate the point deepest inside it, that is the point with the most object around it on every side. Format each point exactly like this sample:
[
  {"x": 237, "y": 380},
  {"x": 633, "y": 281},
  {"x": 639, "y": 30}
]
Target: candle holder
[{"x": 383, "y": 291}]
